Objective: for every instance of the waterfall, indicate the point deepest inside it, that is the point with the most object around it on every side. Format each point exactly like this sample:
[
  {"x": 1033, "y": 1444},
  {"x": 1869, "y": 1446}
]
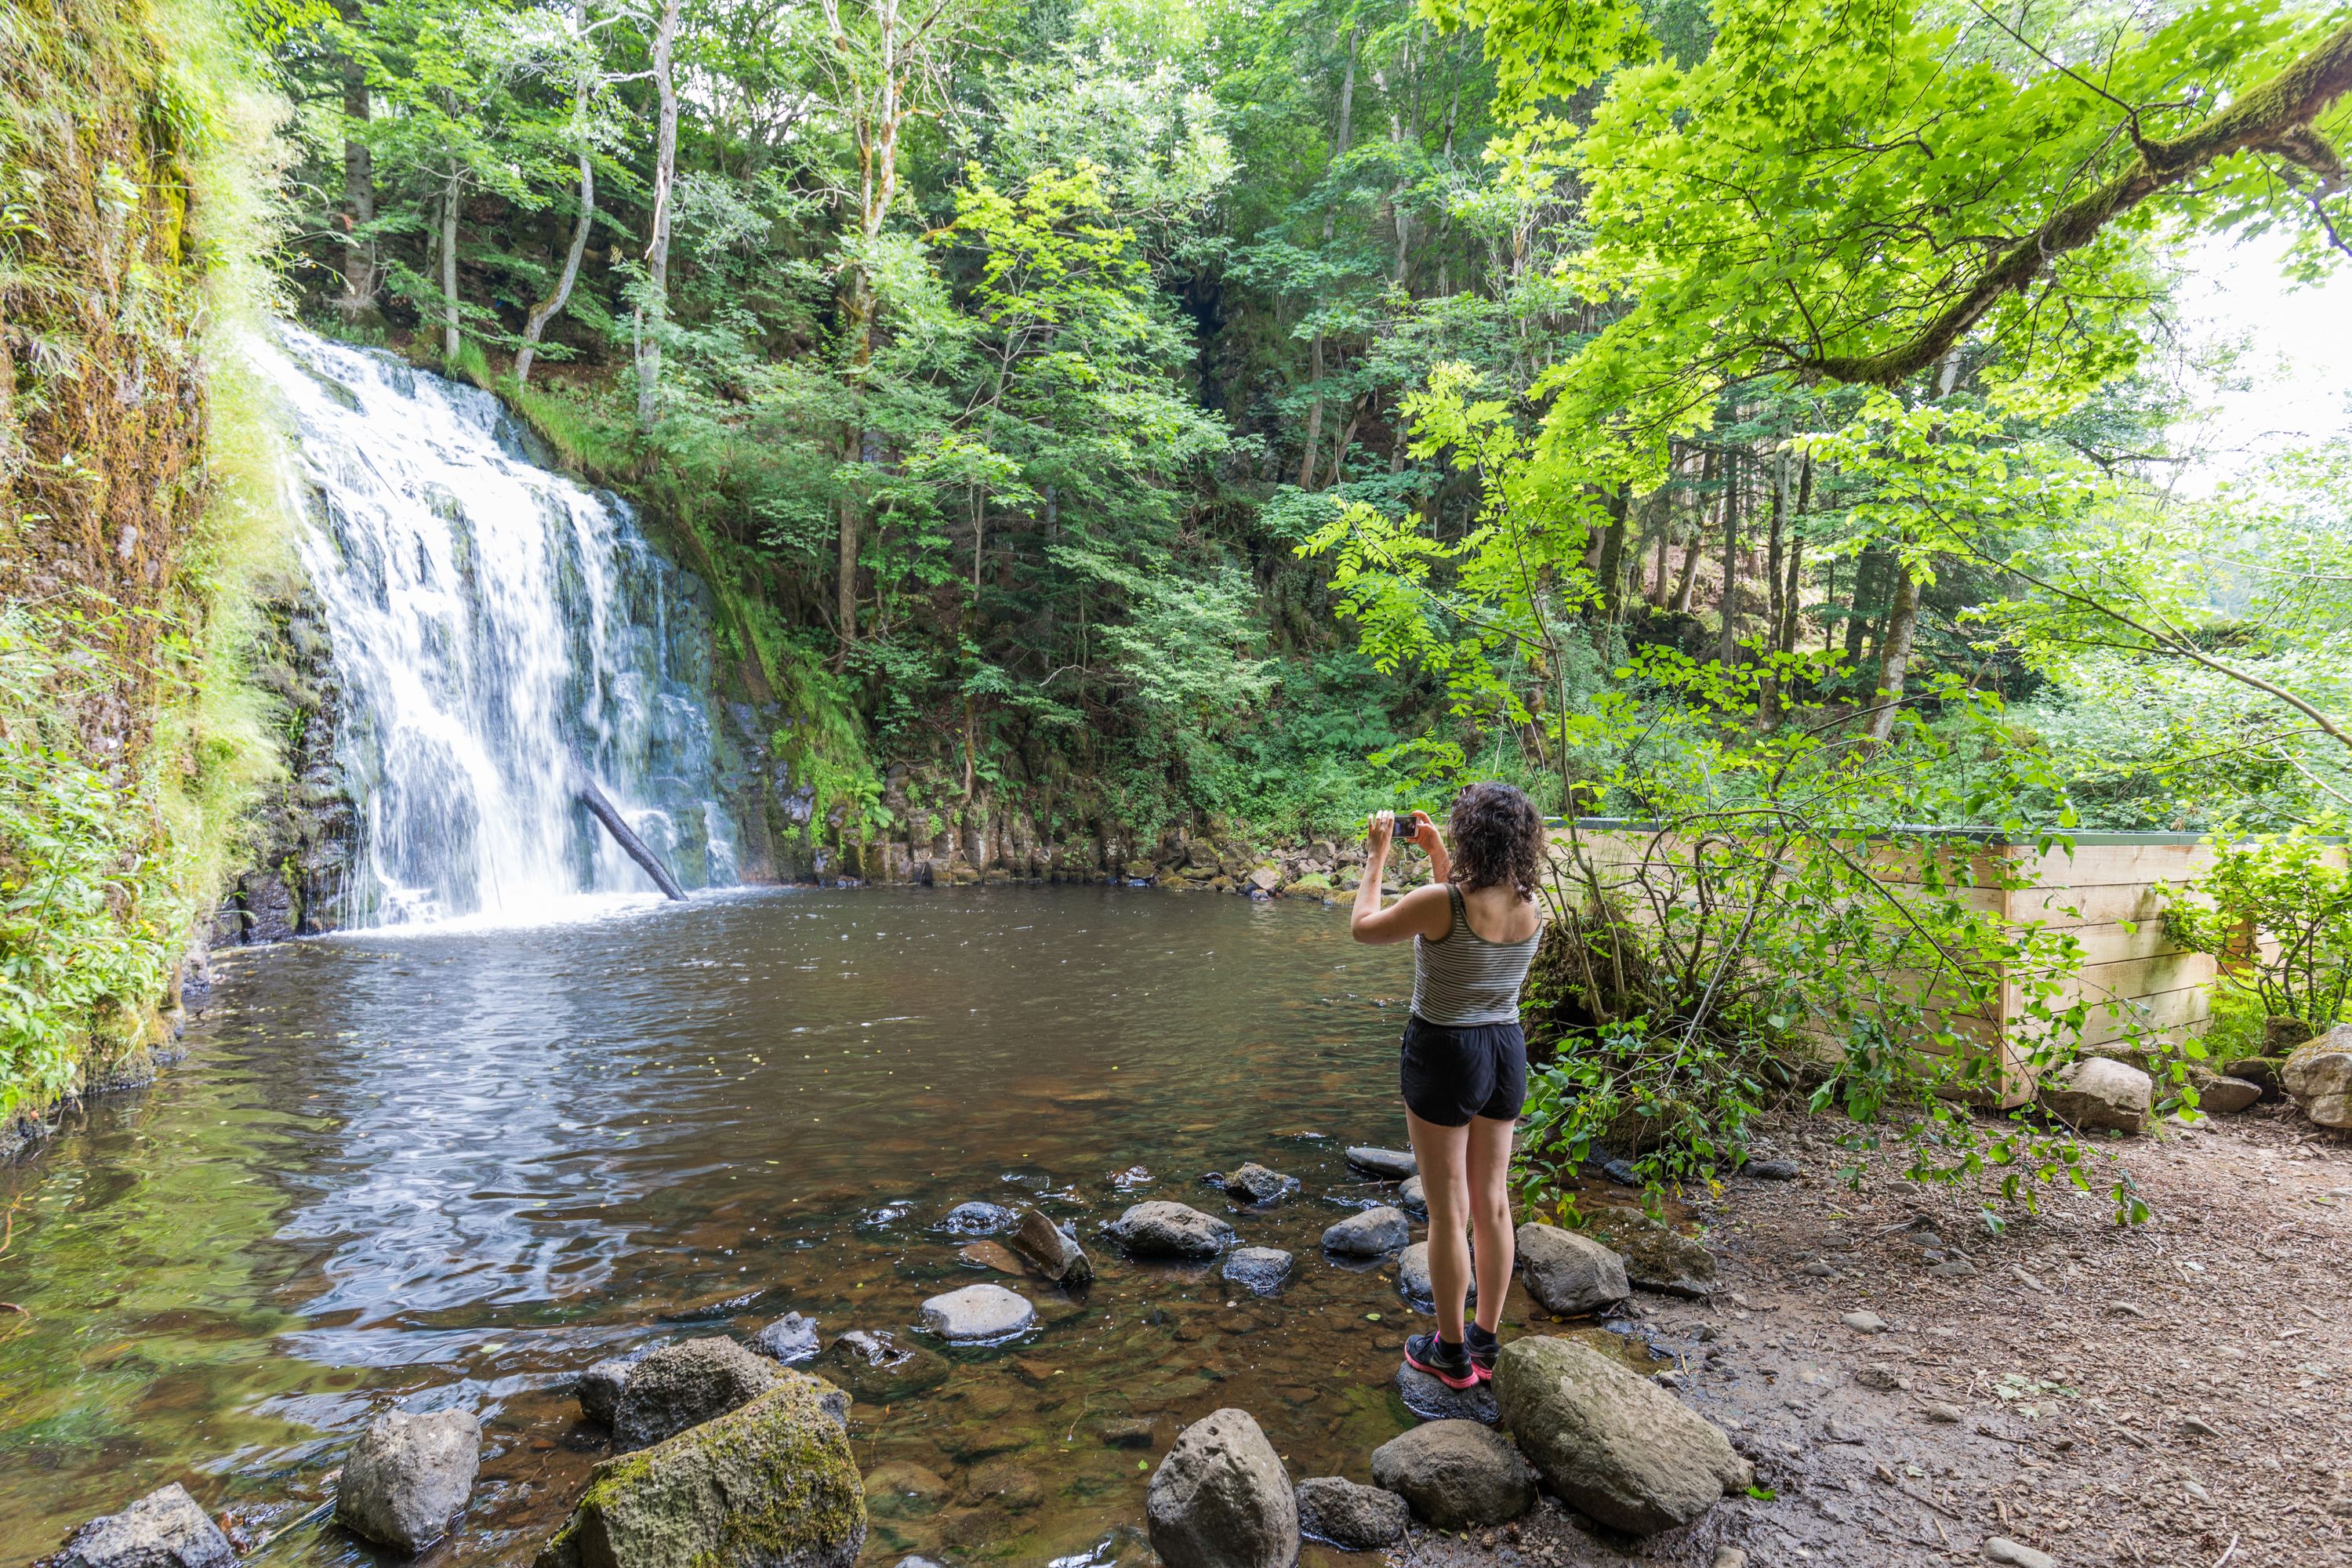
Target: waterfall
[{"x": 489, "y": 620}]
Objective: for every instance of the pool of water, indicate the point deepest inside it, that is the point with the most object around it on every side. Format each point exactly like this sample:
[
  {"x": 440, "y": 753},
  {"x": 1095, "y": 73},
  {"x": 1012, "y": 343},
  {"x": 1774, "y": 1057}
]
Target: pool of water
[{"x": 456, "y": 1167}]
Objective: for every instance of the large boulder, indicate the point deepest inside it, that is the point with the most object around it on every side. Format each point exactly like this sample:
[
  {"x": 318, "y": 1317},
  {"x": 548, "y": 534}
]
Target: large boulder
[
  {"x": 978, "y": 1313},
  {"x": 599, "y": 1387},
  {"x": 1053, "y": 1250},
  {"x": 771, "y": 1484},
  {"x": 1260, "y": 1270},
  {"x": 1659, "y": 1258},
  {"x": 1350, "y": 1516},
  {"x": 1569, "y": 1276},
  {"x": 408, "y": 1476},
  {"x": 1615, "y": 1447},
  {"x": 1414, "y": 1280},
  {"x": 1371, "y": 1234},
  {"x": 879, "y": 1369},
  {"x": 165, "y": 1528},
  {"x": 2099, "y": 1094},
  {"x": 1220, "y": 1498},
  {"x": 685, "y": 1384},
  {"x": 2319, "y": 1076},
  {"x": 1458, "y": 1475},
  {"x": 1162, "y": 1229}
]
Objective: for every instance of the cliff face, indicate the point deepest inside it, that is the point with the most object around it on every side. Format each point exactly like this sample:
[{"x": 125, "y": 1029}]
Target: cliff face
[{"x": 130, "y": 524}]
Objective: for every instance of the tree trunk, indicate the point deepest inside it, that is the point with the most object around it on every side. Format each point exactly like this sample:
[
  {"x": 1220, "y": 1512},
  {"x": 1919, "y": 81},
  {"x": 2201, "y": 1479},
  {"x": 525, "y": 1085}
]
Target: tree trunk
[
  {"x": 1894, "y": 652},
  {"x": 359, "y": 193},
  {"x": 1726, "y": 646},
  {"x": 1611, "y": 570},
  {"x": 1708, "y": 469},
  {"x": 652, "y": 316},
  {"x": 1792, "y": 593},
  {"x": 1861, "y": 604},
  {"x": 1315, "y": 352},
  {"x": 548, "y": 308},
  {"x": 450, "y": 336}
]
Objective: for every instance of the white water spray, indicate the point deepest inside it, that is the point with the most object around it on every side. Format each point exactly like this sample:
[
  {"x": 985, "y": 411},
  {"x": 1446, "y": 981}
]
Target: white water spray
[{"x": 489, "y": 620}]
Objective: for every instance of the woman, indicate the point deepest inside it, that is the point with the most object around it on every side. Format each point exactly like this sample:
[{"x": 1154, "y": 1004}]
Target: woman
[{"x": 1464, "y": 1070}]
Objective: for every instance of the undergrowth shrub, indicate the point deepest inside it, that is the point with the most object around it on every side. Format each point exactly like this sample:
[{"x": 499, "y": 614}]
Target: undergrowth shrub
[{"x": 1780, "y": 925}]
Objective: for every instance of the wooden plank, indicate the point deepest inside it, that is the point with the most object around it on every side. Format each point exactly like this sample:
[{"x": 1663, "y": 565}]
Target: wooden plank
[{"x": 2114, "y": 865}]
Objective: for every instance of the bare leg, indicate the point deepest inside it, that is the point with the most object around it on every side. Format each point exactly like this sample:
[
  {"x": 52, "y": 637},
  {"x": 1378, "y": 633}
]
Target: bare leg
[
  {"x": 1444, "y": 1182},
  {"x": 1489, "y": 1173}
]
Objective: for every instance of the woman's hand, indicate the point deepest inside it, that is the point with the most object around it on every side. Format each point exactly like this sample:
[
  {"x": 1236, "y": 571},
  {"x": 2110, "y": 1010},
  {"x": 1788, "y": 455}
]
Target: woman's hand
[
  {"x": 1379, "y": 830},
  {"x": 1424, "y": 832}
]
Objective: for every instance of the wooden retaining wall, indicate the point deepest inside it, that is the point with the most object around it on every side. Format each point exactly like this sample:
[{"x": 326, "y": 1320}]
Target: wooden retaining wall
[{"x": 2103, "y": 892}]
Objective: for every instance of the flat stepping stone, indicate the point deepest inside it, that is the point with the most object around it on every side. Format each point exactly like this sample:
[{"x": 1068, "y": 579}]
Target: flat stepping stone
[
  {"x": 1413, "y": 1282},
  {"x": 1162, "y": 1229},
  {"x": 978, "y": 1313},
  {"x": 1371, "y": 1234},
  {"x": 1388, "y": 1164},
  {"x": 1430, "y": 1400},
  {"x": 1260, "y": 1270}
]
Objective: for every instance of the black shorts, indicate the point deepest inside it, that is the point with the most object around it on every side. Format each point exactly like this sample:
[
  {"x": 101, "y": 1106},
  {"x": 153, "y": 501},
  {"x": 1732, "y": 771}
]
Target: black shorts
[{"x": 1452, "y": 1073}]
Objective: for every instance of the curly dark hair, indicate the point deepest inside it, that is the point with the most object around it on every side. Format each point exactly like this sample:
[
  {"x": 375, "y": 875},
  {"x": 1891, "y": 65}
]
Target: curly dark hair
[{"x": 1498, "y": 839}]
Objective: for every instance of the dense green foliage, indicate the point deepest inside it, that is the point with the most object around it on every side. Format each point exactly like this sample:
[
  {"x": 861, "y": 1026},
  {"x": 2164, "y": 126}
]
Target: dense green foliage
[{"x": 138, "y": 503}]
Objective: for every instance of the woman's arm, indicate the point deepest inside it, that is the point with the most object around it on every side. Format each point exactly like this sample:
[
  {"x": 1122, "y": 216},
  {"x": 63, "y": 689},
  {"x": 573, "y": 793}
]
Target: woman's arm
[{"x": 1424, "y": 912}]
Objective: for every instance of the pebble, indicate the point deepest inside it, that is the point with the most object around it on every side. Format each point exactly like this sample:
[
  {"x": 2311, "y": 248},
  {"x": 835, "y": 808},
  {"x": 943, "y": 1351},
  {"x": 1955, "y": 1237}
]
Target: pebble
[
  {"x": 1837, "y": 1431},
  {"x": 1817, "y": 1269},
  {"x": 1772, "y": 1170},
  {"x": 1864, "y": 1322},
  {"x": 1937, "y": 1410},
  {"x": 1880, "y": 1376},
  {"x": 2196, "y": 1426},
  {"x": 1954, "y": 1268},
  {"x": 1729, "y": 1557},
  {"x": 2126, "y": 1309},
  {"x": 2000, "y": 1549}
]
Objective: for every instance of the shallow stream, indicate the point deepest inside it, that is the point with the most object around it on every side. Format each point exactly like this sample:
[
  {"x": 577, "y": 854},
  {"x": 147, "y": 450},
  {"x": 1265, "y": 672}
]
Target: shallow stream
[{"x": 460, "y": 1166}]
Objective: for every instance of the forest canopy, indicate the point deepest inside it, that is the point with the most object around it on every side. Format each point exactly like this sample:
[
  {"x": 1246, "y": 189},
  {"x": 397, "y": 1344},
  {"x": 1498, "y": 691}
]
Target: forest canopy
[{"x": 1240, "y": 413}]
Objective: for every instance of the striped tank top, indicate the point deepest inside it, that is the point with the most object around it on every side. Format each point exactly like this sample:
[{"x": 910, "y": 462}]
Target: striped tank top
[{"x": 1464, "y": 979}]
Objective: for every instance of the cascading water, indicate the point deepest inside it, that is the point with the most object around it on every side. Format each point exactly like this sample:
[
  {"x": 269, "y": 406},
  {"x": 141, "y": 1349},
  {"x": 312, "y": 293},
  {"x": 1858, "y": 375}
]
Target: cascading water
[{"x": 490, "y": 621}]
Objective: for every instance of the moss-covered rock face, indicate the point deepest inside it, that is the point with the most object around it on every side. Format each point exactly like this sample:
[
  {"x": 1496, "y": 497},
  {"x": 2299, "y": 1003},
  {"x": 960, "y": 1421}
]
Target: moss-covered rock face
[{"x": 770, "y": 1485}]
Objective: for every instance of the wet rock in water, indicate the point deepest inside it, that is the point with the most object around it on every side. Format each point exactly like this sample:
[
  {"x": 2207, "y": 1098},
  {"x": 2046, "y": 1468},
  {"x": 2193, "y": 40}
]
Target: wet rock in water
[
  {"x": 772, "y": 1482},
  {"x": 2226, "y": 1096},
  {"x": 685, "y": 1384},
  {"x": 1772, "y": 1170},
  {"x": 1129, "y": 1431},
  {"x": 408, "y": 1476},
  {"x": 878, "y": 1369},
  {"x": 599, "y": 1387},
  {"x": 977, "y": 1219},
  {"x": 2099, "y": 1094},
  {"x": 2000, "y": 1549},
  {"x": 1220, "y": 1498},
  {"x": 2319, "y": 1076},
  {"x": 1659, "y": 1258},
  {"x": 1613, "y": 1445},
  {"x": 1388, "y": 1164},
  {"x": 902, "y": 1486},
  {"x": 1254, "y": 1183},
  {"x": 165, "y": 1528},
  {"x": 1458, "y": 1475},
  {"x": 1570, "y": 1275},
  {"x": 790, "y": 1339},
  {"x": 1414, "y": 1282},
  {"x": 1006, "y": 1483},
  {"x": 978, "y": 1312},
  {"x": 1053, "y": 1250},
  {"x": 1350, "y": 1516},
  {"x": 1370, "y": 1234},
  {"x": 1260, "y": 1270},
  {"x": 1413, "y": 1197},
  {"x": 1430, "y": 1400},
  {"x": 1164, "y": 1229}
]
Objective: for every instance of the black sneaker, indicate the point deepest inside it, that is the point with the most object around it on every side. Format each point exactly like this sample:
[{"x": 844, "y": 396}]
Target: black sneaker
[
  {"x": 1450, "y": 1364},
  {"x": 1482, "y": 1348}
]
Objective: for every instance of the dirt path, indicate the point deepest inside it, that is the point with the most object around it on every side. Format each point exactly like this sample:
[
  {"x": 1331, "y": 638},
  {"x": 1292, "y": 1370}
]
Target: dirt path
[{"x": 2180, "y": 1394}]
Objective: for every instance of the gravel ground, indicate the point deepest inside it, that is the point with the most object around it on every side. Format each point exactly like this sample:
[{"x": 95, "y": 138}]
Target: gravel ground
[{"x": 2176, "y": 1393}]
